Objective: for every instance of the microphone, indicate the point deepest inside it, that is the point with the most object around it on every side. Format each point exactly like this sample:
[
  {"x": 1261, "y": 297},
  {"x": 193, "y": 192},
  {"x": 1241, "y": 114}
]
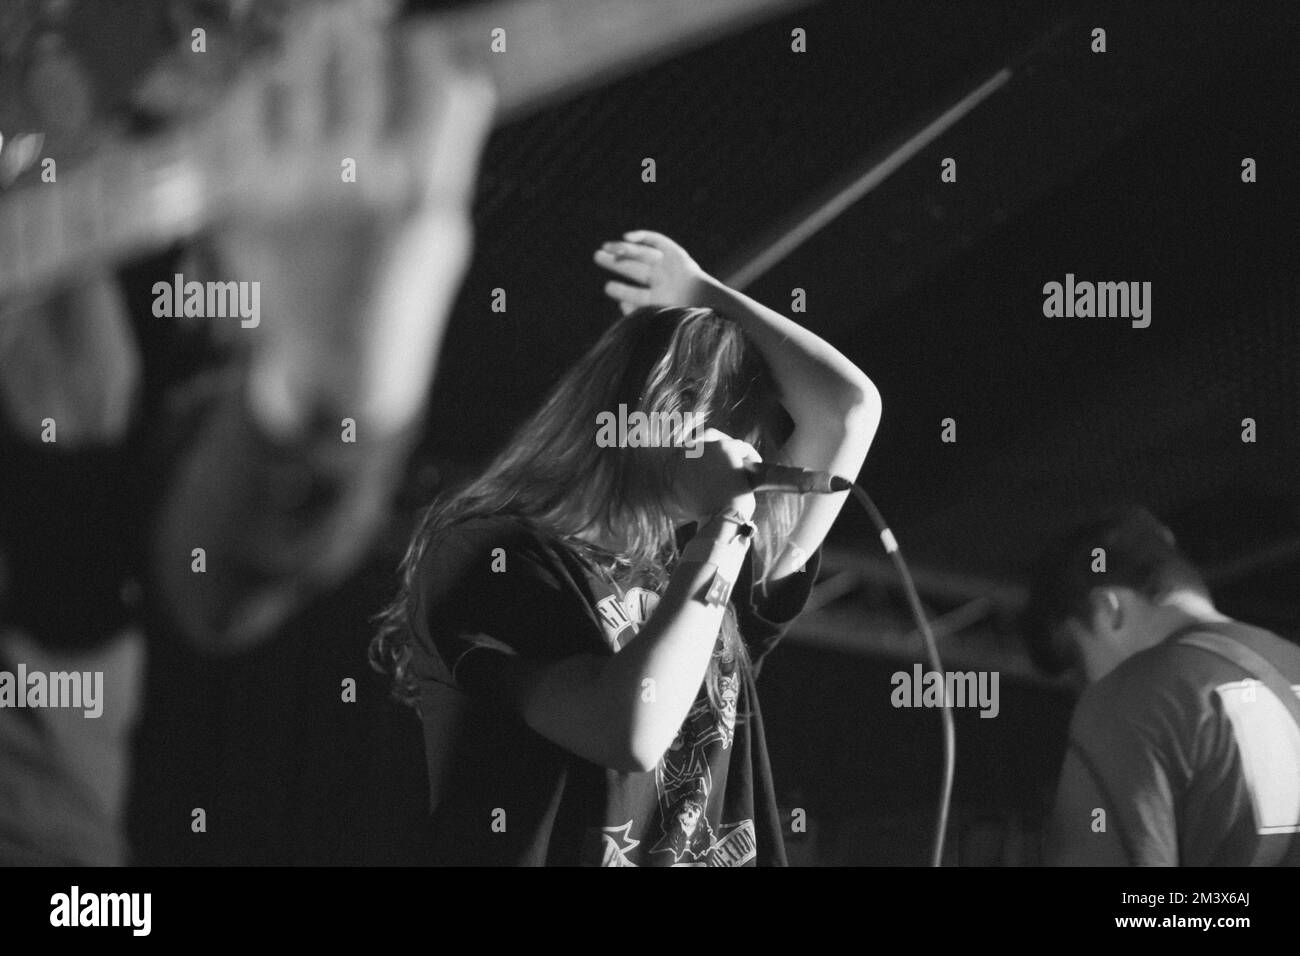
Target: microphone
[{"x": 765, "y": 477}]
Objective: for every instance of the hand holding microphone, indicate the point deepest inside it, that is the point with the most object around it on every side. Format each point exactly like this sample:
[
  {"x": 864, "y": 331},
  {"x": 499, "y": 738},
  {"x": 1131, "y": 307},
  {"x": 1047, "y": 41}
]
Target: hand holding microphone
[
  {"x": 716, "y": 477},
  {"x": 729, "y": 472}
]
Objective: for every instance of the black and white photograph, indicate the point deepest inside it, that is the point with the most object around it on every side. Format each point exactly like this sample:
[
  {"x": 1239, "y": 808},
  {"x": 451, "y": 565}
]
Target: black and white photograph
[{"x": 829, "y": 434}]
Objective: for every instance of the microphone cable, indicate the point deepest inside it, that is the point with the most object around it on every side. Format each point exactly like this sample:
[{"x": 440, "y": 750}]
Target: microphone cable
[{"x": 932, "y": 651}]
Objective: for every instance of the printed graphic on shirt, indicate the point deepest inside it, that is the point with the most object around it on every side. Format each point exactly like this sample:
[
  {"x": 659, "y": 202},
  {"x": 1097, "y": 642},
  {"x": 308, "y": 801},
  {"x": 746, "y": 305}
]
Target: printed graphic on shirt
[
  {"x": 622, "y": 619},
  {"x": 692, "y": 841},
  {"x": 737, "y": 845},
  {"x": 687, "y": 833},
  {"x": 684, "y": 777},
  {"x": 728, "y": 693},
  {"x": 616, "y": 843}
]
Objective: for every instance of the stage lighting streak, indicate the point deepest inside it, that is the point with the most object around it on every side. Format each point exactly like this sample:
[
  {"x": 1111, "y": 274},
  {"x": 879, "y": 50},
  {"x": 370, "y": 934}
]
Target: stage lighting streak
[{"x": 807, "y": 227}]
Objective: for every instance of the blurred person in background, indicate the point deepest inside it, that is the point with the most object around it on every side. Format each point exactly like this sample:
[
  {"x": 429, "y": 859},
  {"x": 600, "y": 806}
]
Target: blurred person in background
[{"x": 173, "y": 434}]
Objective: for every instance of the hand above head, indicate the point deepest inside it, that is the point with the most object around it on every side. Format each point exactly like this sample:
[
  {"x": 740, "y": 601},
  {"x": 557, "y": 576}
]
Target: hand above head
[
  {"x": 360, "y": 263},
  {"x": 661, "y": 272}
]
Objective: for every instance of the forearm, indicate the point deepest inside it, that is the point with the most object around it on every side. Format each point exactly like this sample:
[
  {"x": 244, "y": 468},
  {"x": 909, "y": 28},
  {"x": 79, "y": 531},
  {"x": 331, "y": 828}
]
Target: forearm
[
  {"x": 814, "y": 377},
  {"x": 624, "y": 711},
  {"x": 658, "y": 674},
  {"x": 834, "y": 406}
]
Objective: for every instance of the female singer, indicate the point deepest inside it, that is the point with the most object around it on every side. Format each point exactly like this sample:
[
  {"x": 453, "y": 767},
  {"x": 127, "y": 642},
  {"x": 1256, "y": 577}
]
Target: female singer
[{"x": 601, "y": 607}]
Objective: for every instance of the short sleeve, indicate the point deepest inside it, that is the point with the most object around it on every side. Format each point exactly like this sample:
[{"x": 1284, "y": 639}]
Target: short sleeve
[
  {"x": 764, "y": 618},
  {"x": 491, "y": 585}
]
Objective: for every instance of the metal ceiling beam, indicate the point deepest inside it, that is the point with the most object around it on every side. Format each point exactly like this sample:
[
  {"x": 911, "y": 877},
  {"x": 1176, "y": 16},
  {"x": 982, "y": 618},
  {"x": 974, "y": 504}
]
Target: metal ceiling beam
[
  {"x": 1253, "y": 559},
  {"x": 949, "y": 587},
  {"x": 823, "y": 212}
]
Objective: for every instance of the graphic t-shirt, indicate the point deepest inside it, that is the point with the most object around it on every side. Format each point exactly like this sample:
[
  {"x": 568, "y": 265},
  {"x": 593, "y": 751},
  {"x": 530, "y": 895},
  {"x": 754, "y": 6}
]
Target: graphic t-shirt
[
  {"x": 507, "y": 795},
  {"x": 1194, "y": 762}
]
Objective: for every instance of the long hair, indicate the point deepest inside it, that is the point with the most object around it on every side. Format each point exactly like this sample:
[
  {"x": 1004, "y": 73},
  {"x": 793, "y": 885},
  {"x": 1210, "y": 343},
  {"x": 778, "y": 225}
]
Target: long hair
[{"x": 554, "y": 475}]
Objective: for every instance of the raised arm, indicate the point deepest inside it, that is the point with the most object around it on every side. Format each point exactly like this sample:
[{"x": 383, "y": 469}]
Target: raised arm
[{"x": 835, "y": 407}]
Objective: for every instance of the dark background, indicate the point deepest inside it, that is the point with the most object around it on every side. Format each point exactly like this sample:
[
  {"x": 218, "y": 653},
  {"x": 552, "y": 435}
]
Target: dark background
[{"x": 1117, "y": 166}]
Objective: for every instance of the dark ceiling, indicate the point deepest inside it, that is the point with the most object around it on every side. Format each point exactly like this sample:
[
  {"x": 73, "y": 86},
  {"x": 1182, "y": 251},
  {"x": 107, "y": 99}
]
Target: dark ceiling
[{"x": 1115, "y": 166}]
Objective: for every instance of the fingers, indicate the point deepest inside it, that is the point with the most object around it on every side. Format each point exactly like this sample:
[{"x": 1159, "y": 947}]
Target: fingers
[
  {"x": 448, "y": 132},
  {"x": 360, "y": 65},
  {"x": 631, "y": 261},
  {"x": 740, "y": 447},
  {"x": 628, "y": 268},
  {"x": 343, "y": 73},
  {"x": 626, "y": 294},
  {"x": 633, "y": 250},
  {"x": 656, "y": 240},
  {"x": 748, "y": 452},
  {"x": 298, "y": 111},
  {"x": 411, "y": 119}
]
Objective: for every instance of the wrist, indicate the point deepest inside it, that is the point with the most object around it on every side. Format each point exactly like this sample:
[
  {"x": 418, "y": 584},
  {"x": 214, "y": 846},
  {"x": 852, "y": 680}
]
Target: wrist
[
  {"x": 713, "y": 559},
  {"x": 740, "y": 521},
  {"x": 713, "y": 293},
  {"x": 718, "y": 541},
  {"x": 743, "y": 505}
]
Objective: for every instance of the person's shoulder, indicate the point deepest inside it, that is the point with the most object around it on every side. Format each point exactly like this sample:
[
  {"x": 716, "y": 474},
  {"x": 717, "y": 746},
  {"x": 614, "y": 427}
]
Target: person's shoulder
[
  {"x": 491, "y": 530},
  {"x": 484, "y": 557},
  {"x": 1138, "y": 674},
  {"x": 1160, "y": 680},
  {"x": 493, "y": 543},
  {"x": 471, "y": 542}
]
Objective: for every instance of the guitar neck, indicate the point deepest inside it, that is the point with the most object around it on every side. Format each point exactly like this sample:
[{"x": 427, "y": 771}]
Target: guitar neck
[{"x": 136, "y": 196}]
